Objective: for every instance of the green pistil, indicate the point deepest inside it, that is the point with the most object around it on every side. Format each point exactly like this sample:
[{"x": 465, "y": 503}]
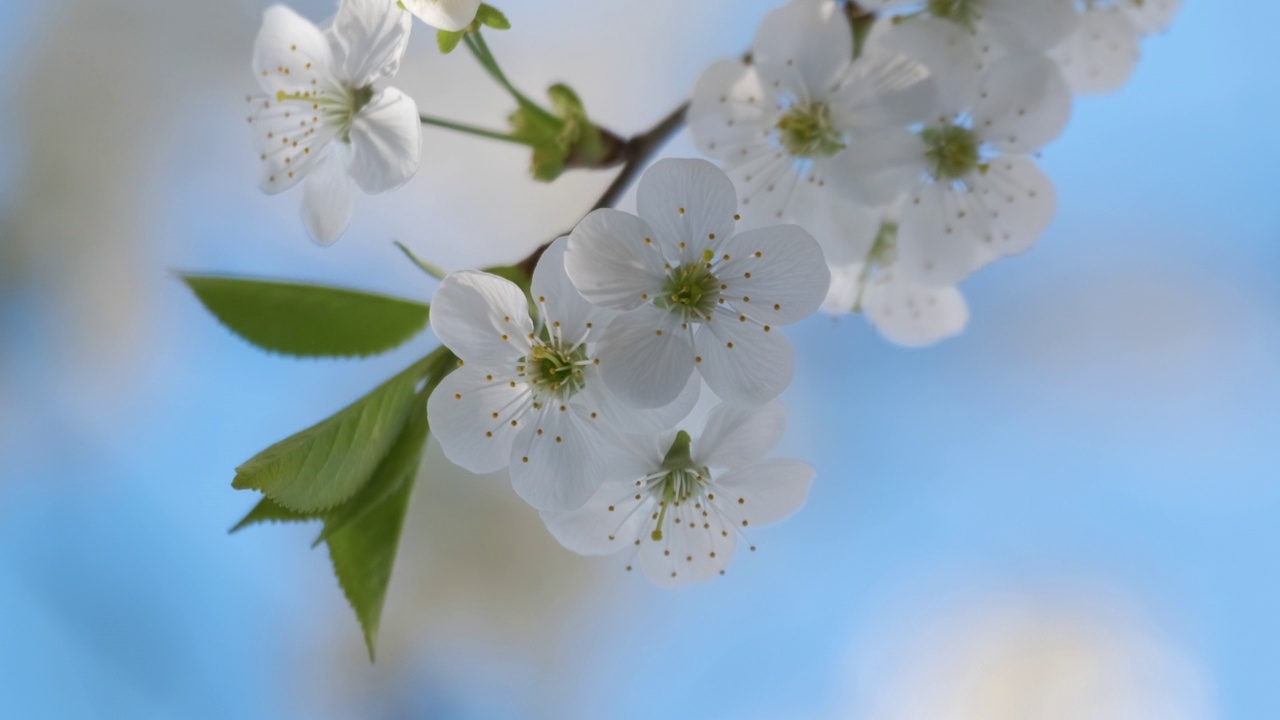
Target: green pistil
[
  {"x": 951, "y": 151},
  {"x": 961, "y": 12},
  {"x": 682, "y": 480},
  {"x": 806, "y": 132},
  {"x": 690, "y": 290},
  {"x": 554, "y": 370}
]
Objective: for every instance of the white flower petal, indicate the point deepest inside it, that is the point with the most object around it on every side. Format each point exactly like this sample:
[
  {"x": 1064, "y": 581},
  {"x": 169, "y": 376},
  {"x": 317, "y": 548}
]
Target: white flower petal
[
  {"x": 913, "y": 315},
  {"x": 613, "y": 259},
  {"x": 846, "y": 289},
  {"x": 451, "y": 15},
  {"x": 693, "y": 547},
  {"x": 328, "y": 196},
  {"x": 290, "y": 142},
  {"x": 482, "y": 318},
  {"x": 775, "y": 275},
  {"x": 386, "y": 136},
  {"x": 631, "y": 419},
  {"x": 731, "y": 112},
  {"x": 1152, "y": 16},
  {"x": 884, "y": 89},
  {"x": 845, "y": 229},
  {"x": 1024, "y": 104},
  {"x": 743, "y": 364},
  {"x": 646, "y": 357},
  {"x": 945, "y": 49},
  {"x": 471, "y": 413},
  {"x": 690, "y": 204},
  {"x": 940, "y": 231},
  {"x": 735, "y": 437},
  {"x": 877, "y": 169},
  {"x": 804, "y": 46},
  {"x": 1101, "y": 56},
  {"x": 289, "y": 53},
  {"x": 609, "y": 522},
  {"x": 561, "y": 456},
  {"x": 564, "y": 309},
  {"x": 1029, "y": 25},
  {"x": 1019, "y": 199},
  {"x": 763, "y": 493},
  {"x": 370, "y": 37}
]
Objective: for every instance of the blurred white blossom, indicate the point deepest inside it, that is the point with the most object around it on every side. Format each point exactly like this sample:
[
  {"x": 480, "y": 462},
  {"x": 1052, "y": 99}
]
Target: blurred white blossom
[{"x": 320, "y": 118}]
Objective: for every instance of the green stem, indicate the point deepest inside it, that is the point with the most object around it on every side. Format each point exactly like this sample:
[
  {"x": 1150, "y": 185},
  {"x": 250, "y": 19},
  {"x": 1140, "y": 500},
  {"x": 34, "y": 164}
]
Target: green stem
[
  {"x": 471, "y": 130},
  {"x": 480, "y": 49},
  {"x": 426, "y": 266}
]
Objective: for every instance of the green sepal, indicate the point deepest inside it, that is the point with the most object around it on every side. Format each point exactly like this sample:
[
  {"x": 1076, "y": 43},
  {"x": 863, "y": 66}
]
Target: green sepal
[
  {"x": 448, "y": 40},
  {"x": 567, "y": 139},
  {"x": 329, "y": 462},
  {"x": 489, "y": 16},
  {"x": 309, "y": 320}
]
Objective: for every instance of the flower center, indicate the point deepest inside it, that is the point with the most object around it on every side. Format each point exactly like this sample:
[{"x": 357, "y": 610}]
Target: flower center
[
  {"x": 806, "y": 132},
  {"x": 681, "y": 482},
  {"x": 338, "y": 111},
  {"x": 951, "y": 151},
  {"x": 961, "y": 12},
  {"x": 690, "y": 290},
  {"x": 553, "y": 370}
]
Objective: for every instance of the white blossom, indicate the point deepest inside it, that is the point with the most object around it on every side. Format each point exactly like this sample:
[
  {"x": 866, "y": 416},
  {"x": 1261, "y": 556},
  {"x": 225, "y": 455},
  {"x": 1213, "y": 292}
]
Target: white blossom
[
  {"x": 685, "y": 502},
  {"x": 1102, "y": 54},
  {"x": 320, "y": 117},
  {"x": 529, "y": 394},
  {"x": 972, "y": 192},
  {"x": 693, "y": 292},
  {"x": 904, "y": 312},
  {"x": 777, "y": 123},
  {"x": 451, "y": 15}
]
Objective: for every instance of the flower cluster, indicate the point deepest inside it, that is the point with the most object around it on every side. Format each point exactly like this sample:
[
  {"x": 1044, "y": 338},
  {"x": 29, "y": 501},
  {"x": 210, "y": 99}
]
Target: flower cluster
[
  {"x": 874, "y": 156},
  {"x": 912, "y": 159},
  {"x": 580, "y": 389}
]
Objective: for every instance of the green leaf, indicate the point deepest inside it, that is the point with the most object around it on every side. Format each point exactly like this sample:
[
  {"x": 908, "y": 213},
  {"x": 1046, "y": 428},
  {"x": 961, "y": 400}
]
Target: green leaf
[
  {"x": 447, "y": 40},
  {"x": 492, "y": 17},
  {"x": 309, "y": 320},
  {"x": 364, "y": 533},
  {"x": 268, "y": 510},
  {"x": 329, "y": 462}
]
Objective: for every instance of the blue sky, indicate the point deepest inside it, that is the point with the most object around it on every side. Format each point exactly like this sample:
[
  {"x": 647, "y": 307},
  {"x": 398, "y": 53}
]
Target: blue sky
[{"x": 1109, "y": 421}]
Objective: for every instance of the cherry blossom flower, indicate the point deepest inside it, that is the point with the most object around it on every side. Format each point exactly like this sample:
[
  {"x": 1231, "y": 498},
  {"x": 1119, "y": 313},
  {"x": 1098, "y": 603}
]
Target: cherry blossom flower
[
  {"x": 320, "y": 117},
  {"x": 451, "y": 15},
  {"x": 685, "y": 502},
  {"x": 529, "y": 393},
  {"x": 904, "y": 312},
  {"x": 1103, "y": 53},
  {"x": 693, "y": 293},
  {"x": 776, "y": 124},
  {"x": 973, "y": 194}
]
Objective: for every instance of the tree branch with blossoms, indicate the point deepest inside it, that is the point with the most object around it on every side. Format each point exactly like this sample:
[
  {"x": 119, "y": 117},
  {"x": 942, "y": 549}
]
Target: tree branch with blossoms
[{"x": 869, "y": 158}]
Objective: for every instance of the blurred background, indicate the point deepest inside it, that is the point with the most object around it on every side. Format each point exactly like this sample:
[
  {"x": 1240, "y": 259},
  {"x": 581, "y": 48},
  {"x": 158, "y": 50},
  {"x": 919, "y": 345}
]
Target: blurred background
[{"x": 1071, "y": 512}]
